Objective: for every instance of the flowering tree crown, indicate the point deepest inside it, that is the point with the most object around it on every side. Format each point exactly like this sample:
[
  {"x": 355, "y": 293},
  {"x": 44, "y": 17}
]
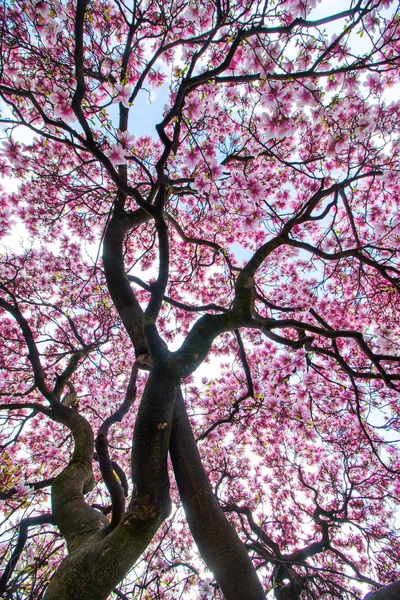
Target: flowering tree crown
[{"x": 201, "y": 318}]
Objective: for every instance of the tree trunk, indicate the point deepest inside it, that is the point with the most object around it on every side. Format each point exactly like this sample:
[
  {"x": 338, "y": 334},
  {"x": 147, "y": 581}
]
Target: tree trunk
[
  {"x": 388, "y": 592},
  {"x": 98, "y": 559},
  {"x": 92, "y": 571},
  {"x": 219, "y": 545}
]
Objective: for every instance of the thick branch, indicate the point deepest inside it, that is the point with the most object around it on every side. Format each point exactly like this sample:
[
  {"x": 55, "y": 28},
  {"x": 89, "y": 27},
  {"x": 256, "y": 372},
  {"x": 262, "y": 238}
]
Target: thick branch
[
  {"x": 63, "y": 379},
  {"x": 118, "y": 285},
  {"x": 73, "y": 516},
  {"x": 108, "y": 555},
  {"x": 79, "y": 70},
  {"x": 151, "y": 442},
  {"x": 388, "y": 592},
  {"x": 157, "y": 291},
  {"x": 219, "y": 544}
]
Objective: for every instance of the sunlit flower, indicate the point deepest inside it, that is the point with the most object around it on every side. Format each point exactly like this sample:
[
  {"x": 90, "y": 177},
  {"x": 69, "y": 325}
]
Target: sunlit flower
[
  {"x": 116, "y": 155},
  {"x": 124, "y": 93}
]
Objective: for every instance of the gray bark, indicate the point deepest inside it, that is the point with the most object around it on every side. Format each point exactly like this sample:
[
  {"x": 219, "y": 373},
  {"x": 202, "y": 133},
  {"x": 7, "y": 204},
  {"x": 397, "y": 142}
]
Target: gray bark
[{"x": 388, "y": 592}]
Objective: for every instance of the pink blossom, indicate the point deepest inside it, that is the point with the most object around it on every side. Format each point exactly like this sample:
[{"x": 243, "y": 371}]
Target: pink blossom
[
  {"x": 23, "y": 489},
  {"x": 215, "y": 170},
  {"x": 11, "y": 149},
  {"x": 374, "y": 83},
  {"x": 208, "y": 151},
  {"x": 156, "y": 78},
  {"x": 238, "y": 181},
  {"x": 202, "y": 183},
  {"x": 269, "y": 126},
  {"x": 123, "y": 94},
  {"x": 196, "y": 12},
  {"x": 250, "y": 223},
  {"x": 194, "y": 105},
  {"x": 336, "y": 145},
  {"x": 191, "y": 156},
  {"x": 287, "y": 65},
  {"x": 127, "y": 139},
  {"x": 304, "y": 96},
  {"x": 49, "y": 31},
  {"x": 255, "y": 189},
  {"x": 371, "y": 20},
  {"x": 61, "y": 101},
  {"x": 5, "y": 170},
  {"x": 116, "y": 155},
  {"x": 108, "y": 66},
  {"x": 42, "y": 8}
]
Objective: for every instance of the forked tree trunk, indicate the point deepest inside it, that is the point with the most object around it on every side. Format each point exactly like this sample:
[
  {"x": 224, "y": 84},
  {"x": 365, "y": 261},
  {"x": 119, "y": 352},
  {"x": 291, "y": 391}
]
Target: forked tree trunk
[{"x": 99, "y": 558}]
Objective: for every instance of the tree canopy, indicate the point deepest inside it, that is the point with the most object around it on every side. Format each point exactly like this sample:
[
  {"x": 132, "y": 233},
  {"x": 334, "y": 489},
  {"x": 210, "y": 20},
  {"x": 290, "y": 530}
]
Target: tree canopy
[{"x": 200, "y": 358}]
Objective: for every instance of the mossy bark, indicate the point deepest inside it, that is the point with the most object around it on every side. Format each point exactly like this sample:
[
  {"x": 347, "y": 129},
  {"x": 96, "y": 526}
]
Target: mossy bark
[{"x": 99, "y": 559}]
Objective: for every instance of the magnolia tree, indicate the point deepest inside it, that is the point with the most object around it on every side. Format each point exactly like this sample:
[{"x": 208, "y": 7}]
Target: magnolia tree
[{"x": 200, "y": 357}]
